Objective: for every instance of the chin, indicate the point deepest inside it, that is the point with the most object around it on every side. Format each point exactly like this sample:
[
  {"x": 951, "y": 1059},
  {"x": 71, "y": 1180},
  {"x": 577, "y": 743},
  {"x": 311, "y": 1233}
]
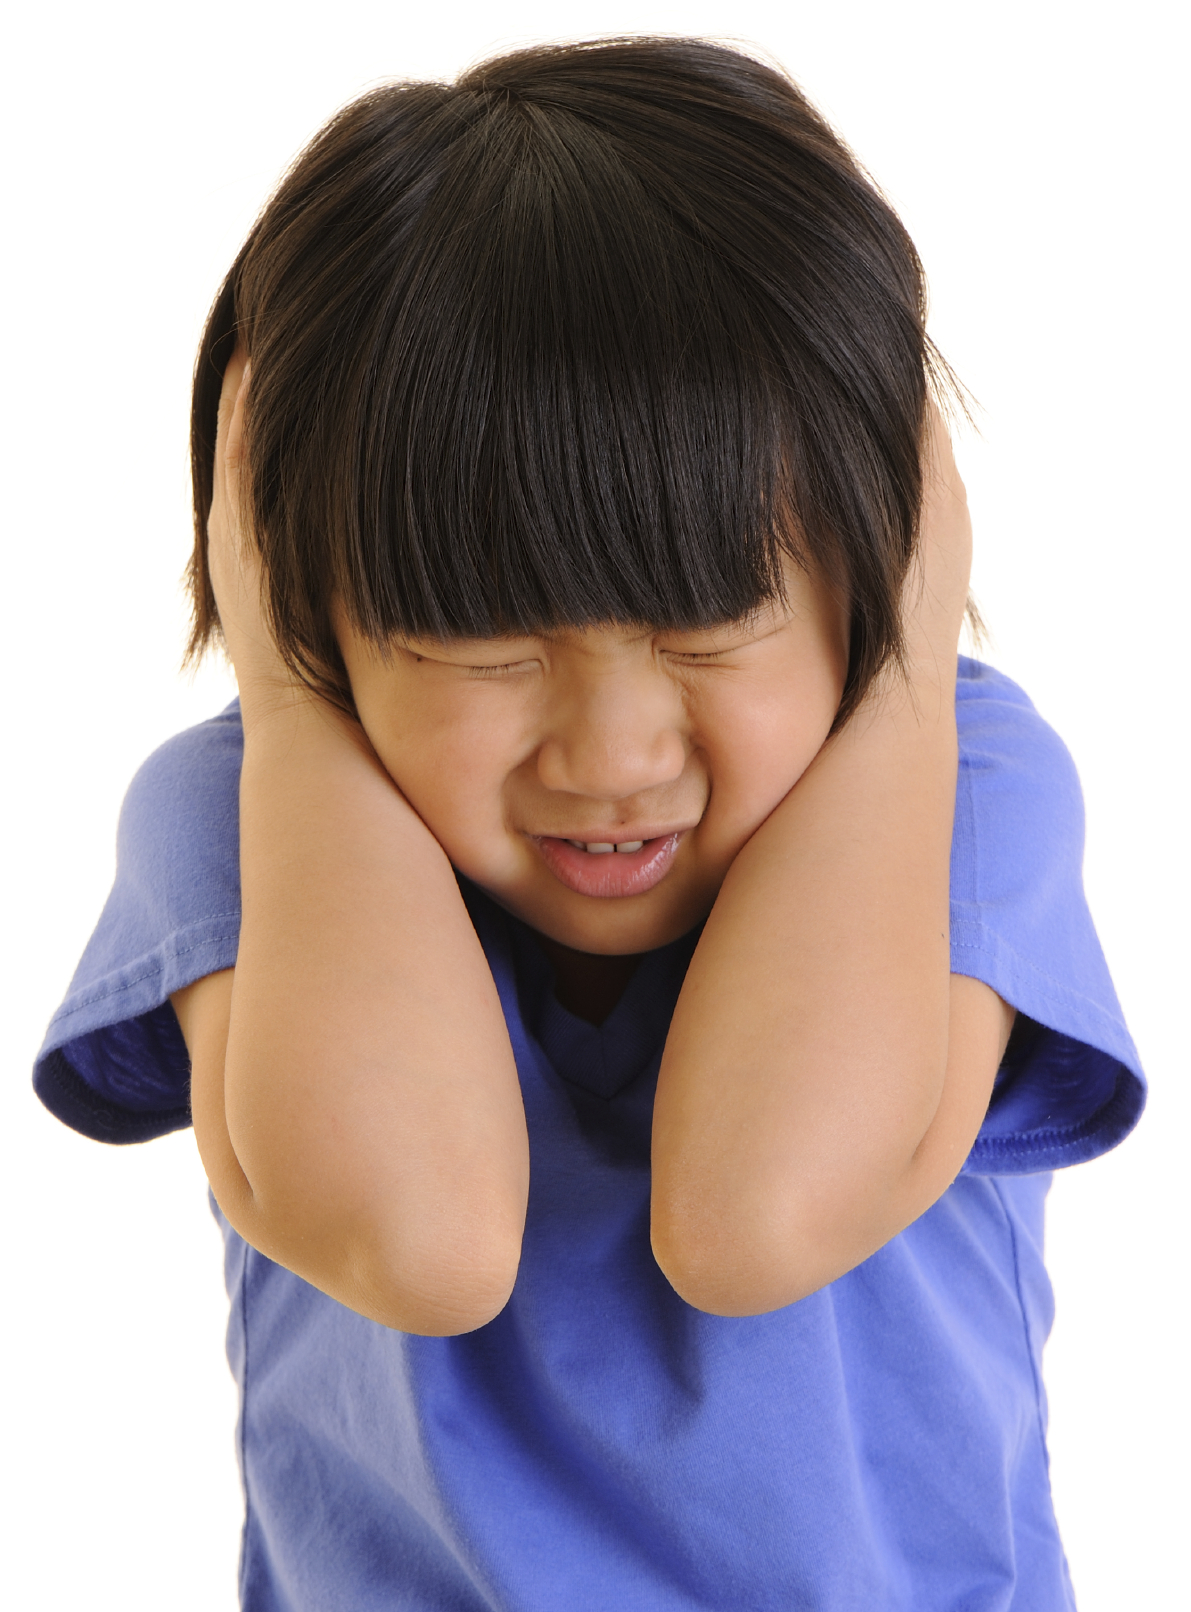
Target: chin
[{"x": 615, "y": 928}]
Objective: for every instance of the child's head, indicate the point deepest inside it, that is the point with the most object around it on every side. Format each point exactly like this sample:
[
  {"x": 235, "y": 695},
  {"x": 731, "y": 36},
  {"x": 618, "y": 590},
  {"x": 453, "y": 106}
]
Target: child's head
[{"x": 600, "y": 346}]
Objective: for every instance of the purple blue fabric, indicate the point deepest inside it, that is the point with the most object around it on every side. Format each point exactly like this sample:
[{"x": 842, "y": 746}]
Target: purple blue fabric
[{"x": 877, "y": 1447}]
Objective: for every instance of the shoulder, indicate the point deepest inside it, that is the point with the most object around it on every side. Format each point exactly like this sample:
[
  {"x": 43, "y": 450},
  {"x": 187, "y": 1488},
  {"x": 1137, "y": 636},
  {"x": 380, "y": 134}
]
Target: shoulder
[
  {"x": 1020, "y": 922},
  {"x": 1019, "y": 817},
  {"x": 186, "y": 793},
  {"x": 173, "y": 913},
  {"x": 1001, "y": 735}
]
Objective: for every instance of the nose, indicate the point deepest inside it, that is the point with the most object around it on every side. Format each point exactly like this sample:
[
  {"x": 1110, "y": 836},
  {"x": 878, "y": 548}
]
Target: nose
[{"x": 614, "y": 738}]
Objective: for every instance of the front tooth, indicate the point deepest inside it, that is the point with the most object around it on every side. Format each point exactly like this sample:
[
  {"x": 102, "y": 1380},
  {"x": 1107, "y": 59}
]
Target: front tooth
[
  {"x": 578, "y": 844},
  {"x": 630, "y": 845},
  {"x": 600, "y": 848}
]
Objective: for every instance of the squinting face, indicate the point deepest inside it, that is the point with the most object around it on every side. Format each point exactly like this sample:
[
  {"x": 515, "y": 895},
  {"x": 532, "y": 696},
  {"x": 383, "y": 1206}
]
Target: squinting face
[{"x": 598, "y": 782}]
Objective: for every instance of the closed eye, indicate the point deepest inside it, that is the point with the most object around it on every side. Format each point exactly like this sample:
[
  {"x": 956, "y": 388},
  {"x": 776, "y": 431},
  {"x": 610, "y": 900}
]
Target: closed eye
[
  {"x": 744, "y": 636},
  {"x": 462, "y": 668},
  {"x": 700, "y": 657},
  {"x": 504, "y": 669}
]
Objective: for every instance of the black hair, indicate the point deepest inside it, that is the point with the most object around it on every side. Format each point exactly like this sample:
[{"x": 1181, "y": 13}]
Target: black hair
[{"x": 591, "y": 335}]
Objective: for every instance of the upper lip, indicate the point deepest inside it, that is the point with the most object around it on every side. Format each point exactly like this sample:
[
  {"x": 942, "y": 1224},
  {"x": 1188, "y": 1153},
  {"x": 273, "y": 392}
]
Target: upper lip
[{"x": 611, "y": 836}]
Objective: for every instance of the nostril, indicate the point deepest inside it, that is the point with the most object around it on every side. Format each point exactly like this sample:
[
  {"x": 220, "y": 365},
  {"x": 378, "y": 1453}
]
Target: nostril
[{"x": 613, "y": 759}]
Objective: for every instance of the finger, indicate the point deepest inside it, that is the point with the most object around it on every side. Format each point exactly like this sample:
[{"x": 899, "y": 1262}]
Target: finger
[
  {"x": 235, "y": 423},
  {"x": 224, "y": 523},
  {"x": 942, "y": 472},
  {"x": 230, "y": 396}
]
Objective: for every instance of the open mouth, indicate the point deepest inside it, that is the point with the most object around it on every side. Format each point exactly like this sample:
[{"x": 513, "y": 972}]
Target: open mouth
[{"x": 603, "y": 868}]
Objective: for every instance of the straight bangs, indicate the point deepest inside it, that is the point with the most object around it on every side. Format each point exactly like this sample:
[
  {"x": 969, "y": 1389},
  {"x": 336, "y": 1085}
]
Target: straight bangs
[{"x": 592, "y": 336}]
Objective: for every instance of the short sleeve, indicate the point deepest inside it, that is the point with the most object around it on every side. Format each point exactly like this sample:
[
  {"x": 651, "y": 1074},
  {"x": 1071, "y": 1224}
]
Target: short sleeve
[
  {"x": 113, "y": 1064},
  {"x": 1071, "y": 1085}
]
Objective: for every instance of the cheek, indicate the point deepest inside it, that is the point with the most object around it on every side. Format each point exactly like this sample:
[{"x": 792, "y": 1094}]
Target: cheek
[
  {"x": 759, "y": 740},
  {"x": 450, "y": 760}
]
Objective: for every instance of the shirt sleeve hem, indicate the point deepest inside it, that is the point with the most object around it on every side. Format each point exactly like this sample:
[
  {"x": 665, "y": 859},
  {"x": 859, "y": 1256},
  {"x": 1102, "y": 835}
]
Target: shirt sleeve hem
[
  {"x": 69, "y": 1098},
  {"x": 1056, "y": 1147},
  {"x": 144, "y": 984},
  {"x": 980, "y": 953}
]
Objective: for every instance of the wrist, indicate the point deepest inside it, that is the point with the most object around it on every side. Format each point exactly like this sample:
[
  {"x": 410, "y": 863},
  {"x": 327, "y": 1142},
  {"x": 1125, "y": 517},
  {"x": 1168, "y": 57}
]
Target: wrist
[
  {"x": 267, "y": 695},
  {"x": 930, "y": 647},
  {"x": 917, "y": 688},
  {"x": 276, "y": 710},
  {"x": 931, "y": 666}
]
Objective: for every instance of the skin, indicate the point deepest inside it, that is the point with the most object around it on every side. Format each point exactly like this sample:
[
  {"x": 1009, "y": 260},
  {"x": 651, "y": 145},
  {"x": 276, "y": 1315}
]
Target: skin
[
  {"x": 608, "y": 735},
  {"x": 355, "y": 1098}
]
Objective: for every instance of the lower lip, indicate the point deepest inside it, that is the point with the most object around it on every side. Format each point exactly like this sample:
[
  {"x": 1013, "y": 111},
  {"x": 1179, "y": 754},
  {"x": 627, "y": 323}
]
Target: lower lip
[{"x": 608, "y": 873}]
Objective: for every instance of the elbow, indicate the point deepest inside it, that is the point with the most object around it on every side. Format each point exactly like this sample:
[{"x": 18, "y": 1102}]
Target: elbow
[
  {"x": 442, "y": 1302},
  {"x": 746, "y": 1241},
  {"x": 436, "y": 1270},
  {"x": 733, "y": 1252},
  {"x": 739, "y": 1264},
  {"x": 450, "y": 1280},
  {"x": 731, "y": 1275},
  {"x": 434, "y": 1280}
]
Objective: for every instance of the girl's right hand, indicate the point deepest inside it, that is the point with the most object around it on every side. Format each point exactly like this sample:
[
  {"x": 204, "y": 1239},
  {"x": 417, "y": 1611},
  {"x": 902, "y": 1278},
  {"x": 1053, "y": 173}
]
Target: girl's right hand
[{"x": 265, "y": 681}]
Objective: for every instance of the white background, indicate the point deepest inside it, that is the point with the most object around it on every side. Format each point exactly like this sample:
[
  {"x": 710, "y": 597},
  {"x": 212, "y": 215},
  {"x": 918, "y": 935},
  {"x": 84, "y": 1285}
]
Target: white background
[{"x": 1033, "y": 151}]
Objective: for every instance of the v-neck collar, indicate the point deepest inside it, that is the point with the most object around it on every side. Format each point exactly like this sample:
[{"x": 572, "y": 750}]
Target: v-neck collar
[{"x": 603, "y": 1058}]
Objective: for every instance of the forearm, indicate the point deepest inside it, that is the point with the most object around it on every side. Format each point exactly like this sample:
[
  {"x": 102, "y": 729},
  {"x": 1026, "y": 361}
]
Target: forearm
[
  {"x": 807, "y": 1058},
  {"x": 370, "y": 1133}
]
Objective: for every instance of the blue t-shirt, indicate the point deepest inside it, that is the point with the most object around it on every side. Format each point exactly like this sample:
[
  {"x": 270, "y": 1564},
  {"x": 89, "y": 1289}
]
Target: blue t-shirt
[{"x": 876, "y": 1447}]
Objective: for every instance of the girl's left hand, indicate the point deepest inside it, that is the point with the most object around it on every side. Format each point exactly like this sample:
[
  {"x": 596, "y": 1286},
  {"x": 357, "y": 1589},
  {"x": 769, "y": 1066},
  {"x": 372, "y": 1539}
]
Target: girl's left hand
[
  {"x": 936, "y": 591},
  {"x": 234, "y": 562}
]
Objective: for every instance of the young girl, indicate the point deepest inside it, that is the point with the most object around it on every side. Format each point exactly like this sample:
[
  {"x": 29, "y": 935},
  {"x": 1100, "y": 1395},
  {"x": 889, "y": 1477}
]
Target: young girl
[{"x": 628, "y": 977}]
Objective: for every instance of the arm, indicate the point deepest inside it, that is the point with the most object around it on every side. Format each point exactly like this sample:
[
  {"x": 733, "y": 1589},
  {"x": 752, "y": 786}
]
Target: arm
[
  {"x": 825, "y": 1076},
  {"x": 355, "y": 1098}
]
